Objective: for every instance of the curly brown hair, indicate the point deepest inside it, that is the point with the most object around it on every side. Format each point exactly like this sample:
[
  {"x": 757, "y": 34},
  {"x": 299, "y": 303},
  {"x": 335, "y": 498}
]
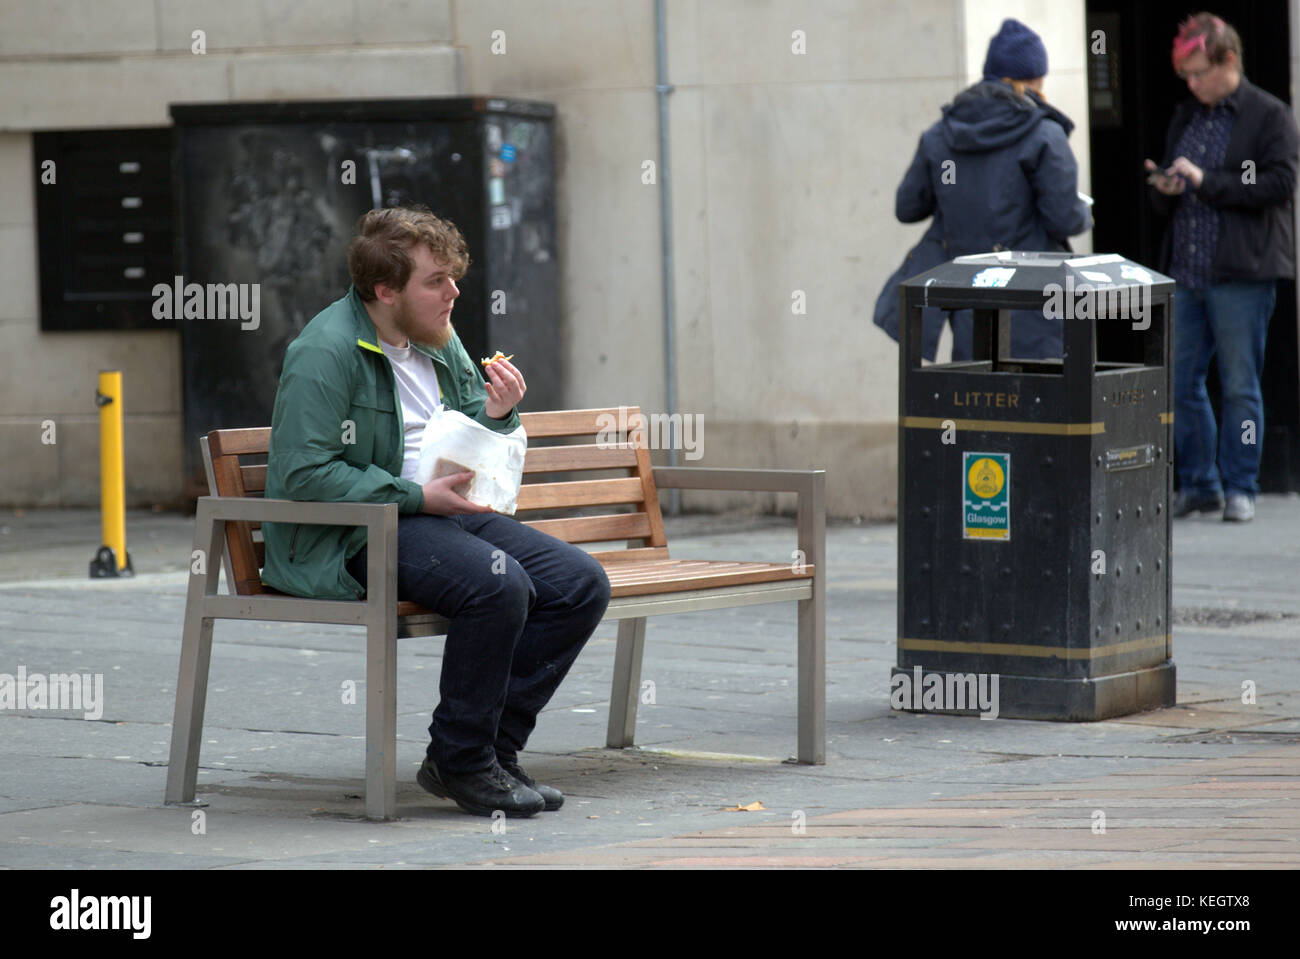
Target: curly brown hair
[{"x": 380, "y": 252}]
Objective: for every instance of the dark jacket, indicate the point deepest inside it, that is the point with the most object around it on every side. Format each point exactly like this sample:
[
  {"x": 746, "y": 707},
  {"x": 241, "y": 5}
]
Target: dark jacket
[
  {"x": 995, "y": 173},
  {"x": 335, "y": 374},
  {"x": 1256, "y": 235}
]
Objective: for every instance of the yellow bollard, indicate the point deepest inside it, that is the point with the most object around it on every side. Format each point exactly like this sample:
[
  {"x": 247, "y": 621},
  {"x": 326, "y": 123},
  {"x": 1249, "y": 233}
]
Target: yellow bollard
[{"x": 112, "y": 558}]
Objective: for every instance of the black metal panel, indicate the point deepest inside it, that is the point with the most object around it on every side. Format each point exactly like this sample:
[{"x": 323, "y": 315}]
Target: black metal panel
[{"x": 104, "y": 226}]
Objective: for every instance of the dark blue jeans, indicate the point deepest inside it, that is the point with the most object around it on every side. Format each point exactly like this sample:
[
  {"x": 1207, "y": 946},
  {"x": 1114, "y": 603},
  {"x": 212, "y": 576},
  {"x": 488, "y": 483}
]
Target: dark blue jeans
[
  {"x": 1229, "y": 320},
  {"x": 1033, "y": 336},
  {"x": 522, "y": 605}
]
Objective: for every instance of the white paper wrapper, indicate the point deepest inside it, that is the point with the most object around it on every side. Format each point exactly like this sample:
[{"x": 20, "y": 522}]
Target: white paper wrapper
[{"x": 454, "y": 443}]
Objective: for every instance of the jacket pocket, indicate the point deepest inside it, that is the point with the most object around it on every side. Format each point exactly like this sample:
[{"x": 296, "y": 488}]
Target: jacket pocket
[
  {"x": 374, "y": 421},
  {"x": 372, "y": 397}
]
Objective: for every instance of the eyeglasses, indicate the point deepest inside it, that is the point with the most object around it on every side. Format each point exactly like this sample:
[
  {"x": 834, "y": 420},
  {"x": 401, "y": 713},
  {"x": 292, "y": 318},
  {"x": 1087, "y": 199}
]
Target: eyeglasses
[{"x": 1195, "y": 74}]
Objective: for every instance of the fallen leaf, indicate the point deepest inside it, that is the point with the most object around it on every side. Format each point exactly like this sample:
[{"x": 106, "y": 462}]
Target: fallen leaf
[{"x": 752, "y": 807}]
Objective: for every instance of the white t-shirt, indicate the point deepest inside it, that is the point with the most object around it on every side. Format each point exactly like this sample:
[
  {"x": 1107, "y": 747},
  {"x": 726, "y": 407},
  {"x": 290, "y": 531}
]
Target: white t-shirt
[{"x": 417, "y": 388}]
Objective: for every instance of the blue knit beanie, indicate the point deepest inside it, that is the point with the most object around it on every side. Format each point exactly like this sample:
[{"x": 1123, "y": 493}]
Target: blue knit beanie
[{"x": 1016, "y": 53}]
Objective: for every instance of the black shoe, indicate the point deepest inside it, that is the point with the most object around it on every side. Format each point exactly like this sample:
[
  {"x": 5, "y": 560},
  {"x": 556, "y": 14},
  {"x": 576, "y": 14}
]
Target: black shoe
[
  {"x": 482, "y": 793},
  {"x": 1186, "y": 504},
  {"x": 554, "y": 798}
]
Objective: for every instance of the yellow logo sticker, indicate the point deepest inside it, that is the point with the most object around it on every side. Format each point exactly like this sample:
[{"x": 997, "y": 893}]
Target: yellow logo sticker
[{"x": 986, "y": 478}]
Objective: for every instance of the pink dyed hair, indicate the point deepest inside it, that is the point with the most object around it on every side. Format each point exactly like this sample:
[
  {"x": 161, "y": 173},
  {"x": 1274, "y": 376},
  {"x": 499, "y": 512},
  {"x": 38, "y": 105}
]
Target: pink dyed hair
[{"x": 1205, "y": 31}]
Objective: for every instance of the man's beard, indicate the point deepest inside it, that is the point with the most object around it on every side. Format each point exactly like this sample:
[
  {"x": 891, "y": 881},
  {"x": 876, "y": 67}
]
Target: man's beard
[{"x": 406, "y": 324}]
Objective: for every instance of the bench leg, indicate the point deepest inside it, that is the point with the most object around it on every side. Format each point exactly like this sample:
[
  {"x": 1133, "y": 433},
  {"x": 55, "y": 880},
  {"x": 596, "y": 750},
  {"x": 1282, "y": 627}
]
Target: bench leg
[
  {"x": 627, "y": 683},
  {"x": 191, "y": 698},
  {"x": 381, "y": 667},
  {"x": 196, "y": 654},
  {"x": 381, "y": 720},
  {"x": 812, "y": 678}
]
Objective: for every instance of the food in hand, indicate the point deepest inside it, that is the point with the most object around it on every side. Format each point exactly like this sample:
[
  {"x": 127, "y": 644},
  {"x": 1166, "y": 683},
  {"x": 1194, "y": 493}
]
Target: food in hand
[
  {"x": 498, "y": 355},
  {"x": 445, "y": 467}
]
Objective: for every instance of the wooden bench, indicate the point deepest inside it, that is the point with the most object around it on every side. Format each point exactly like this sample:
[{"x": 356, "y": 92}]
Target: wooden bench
[{"x": 645, "y": 580}]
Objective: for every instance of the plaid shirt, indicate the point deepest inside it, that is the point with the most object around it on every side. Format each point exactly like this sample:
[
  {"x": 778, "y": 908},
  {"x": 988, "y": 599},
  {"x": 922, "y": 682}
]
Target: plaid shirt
[{"x": 1204, "y": 141}]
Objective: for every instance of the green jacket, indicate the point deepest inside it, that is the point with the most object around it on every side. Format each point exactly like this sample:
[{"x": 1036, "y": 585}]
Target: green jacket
[{"x": 335, "y": 372}]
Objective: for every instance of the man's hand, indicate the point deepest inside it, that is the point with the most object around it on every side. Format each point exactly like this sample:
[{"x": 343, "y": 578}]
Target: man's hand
[
  {"x": 441, "y": 500},
  {"x": 1188, "y": 170},
  {"x": 1166, "y": 182},
  {"x": 505, "y": 388}
]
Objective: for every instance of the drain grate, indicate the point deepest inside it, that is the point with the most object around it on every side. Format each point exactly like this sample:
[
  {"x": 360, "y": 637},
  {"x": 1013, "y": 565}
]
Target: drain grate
[
  {"x": 1236, "y": 739},
  {"x": 1225, "y": 616}
]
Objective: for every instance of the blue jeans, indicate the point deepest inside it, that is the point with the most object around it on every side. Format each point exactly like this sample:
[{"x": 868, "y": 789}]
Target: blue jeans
[
  {"x": 1230, "y": 320},
  {"x": 522, "y": 605}
]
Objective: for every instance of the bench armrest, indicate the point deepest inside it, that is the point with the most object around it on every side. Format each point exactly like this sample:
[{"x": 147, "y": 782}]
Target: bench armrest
[
  {"x": 379, "y": 519},
  {"x": 250, "y": 509},
  {"x": 750, "y": 480},
  {"x": 810, "y": 485}
]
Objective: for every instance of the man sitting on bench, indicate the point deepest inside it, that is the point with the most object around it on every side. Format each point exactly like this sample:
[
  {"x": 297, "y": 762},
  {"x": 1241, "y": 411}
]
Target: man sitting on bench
[{"x": 358, "y": 386}]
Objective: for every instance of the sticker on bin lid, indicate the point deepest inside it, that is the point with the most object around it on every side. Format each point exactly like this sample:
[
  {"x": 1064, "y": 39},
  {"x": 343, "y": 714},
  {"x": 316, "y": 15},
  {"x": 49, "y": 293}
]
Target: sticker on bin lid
[
  {"x": 986, "y": 496},
  {"x": 508, "y": 152},
  {"x": 993, "y": 276},
  {"x": 1101, "y": 259},
  {"x": 1130, "y": 272}
]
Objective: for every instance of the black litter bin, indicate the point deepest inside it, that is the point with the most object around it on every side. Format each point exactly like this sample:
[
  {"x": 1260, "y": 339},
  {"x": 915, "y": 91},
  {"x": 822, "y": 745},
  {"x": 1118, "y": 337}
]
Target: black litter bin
[{"x": 1033, "y": 495}]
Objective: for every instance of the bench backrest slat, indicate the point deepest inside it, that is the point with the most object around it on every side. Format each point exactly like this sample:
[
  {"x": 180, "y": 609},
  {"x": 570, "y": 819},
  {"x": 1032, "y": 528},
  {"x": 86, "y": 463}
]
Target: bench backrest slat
[
  {"x": 254, "y": 478},
  {"x": 619, "y": 447},
  {"x": 604, "y": 492},
  {"x": 573, "y": 422},
  {"x": 548, "y": 459},
  {"x": 244, "y": 442},
  {"x": 595, "y": 529}
]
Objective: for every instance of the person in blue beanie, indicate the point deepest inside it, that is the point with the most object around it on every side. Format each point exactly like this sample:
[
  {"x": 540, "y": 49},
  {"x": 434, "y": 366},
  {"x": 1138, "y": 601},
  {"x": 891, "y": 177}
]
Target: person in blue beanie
[{"x": 995, "y": 173}]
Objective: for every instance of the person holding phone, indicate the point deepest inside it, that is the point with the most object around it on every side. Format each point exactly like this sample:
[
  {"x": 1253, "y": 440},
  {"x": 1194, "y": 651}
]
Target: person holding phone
[{"x": 1227, "y": 178}]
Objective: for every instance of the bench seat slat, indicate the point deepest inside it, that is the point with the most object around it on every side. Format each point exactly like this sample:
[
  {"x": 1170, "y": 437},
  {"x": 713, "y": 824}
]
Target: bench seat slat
[
  {"x": 612, "y": 557},
  {"x": 708, "y": 576},
  {"x": 684, "y": 569},
  {"x": 673, "y": 577},
  {"x": 677, "y": 567}
]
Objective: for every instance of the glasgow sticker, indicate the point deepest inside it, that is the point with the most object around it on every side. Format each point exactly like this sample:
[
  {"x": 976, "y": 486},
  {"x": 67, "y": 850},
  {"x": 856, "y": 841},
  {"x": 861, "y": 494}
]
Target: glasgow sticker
[{"x": 986, "y": 496}]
